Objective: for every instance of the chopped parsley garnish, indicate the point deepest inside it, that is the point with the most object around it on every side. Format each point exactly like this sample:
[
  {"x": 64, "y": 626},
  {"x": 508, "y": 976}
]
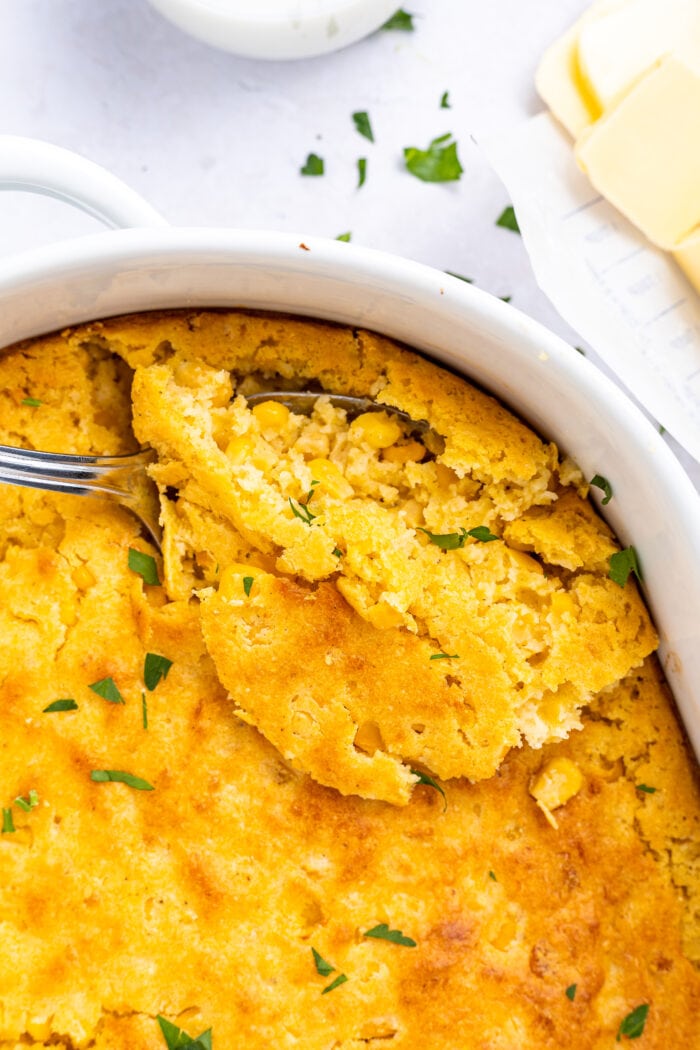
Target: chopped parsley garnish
[
  {"x": 248, "y": 582},
  {"x": 602, "y": 483},
  {"x": 8, "y": 824},
  {"x": 314, "y": 165},
  {"x": 33, "y": 402},
  {"x": 155, "y": 670},
  {"x": 29, "y": 803},
  {"x": 346, "y": 237},
  {"x": 363, "y": 125},
  {"x": 383, "y": 933},
  {"x": 646, "y": 789},
  {"x": 492, "y": 875},
  {"x": 438, "y": 163},
  {"x": 662, "y": 429},
  {"x": 445, "y": 656},
  {"x": 445, "y": 100},
  {"x": 570, "y": 992},
  {"x": 508, "y": 220},
  {"x": 460, "y": 277},
  {"x": 580, "y": 350},
  {"x": 622, "y": 563},
  {"x": 423, "y": 778},
  {"x": 452, "y": 541},
  {"x": 633, "y": 1025},
  {"x": 144, "y": 710},
  {"x": 400, "y": 20},
  {"x": 118, "y": 776},
  {"x": 61, "y": 705},
  {"x": 361, "y": 171},
  {"x": 505, "y": 298},
  {"x": 337, "y": 551},
  {"x": 176, "y": 1039},
  {"x": 322, "y": 967},
  {"x": 340, "y": 979},
  {"x": 300, "y": 510},
  {"x": 108, "y": 691},
  {"x": 145, "y": 566}
]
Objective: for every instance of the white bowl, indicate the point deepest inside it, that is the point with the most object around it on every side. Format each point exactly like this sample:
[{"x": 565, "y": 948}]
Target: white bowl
[
  {"x": 562, "y": 395},
  {"x": 277, "y": 29}
]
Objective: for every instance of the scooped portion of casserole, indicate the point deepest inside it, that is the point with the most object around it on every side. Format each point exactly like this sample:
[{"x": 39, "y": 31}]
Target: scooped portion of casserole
[
  {"x": 165, "y": 869},
  {"x": 414, "y": 600}
]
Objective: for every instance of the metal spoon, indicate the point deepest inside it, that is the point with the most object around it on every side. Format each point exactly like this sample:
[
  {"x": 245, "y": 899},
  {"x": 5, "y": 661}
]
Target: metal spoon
[{"x": 124, "y": 480}]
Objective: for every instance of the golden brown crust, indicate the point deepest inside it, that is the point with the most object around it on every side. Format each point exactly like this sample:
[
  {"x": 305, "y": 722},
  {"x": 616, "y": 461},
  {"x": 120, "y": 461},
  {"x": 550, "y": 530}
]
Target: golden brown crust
[{"x": 202, "y": 899}]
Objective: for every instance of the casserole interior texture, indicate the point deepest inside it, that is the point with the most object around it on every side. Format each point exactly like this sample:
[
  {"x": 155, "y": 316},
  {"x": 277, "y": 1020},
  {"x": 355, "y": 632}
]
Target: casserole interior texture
[{"x": 356, "y": 726}]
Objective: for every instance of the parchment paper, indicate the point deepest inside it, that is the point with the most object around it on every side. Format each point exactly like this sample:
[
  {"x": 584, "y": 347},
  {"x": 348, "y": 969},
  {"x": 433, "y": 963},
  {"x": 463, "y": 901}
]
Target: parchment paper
[{"x": 627, "y": 298}]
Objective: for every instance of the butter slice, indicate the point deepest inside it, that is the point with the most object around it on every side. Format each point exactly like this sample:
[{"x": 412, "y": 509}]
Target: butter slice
[
  {"x": 558, "y": 79},
  {"x": 644, "y": 156},
  {"x": 618, "y": 47},
  {"x": 687, "y": 255}
]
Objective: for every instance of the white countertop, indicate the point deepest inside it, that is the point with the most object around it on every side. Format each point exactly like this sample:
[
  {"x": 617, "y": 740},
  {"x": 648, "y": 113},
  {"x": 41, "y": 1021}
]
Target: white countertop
[{"x": 215, "y": 140}]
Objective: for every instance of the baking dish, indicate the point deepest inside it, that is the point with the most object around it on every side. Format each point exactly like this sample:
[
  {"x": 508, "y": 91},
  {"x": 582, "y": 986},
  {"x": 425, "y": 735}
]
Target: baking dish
[{"x": 151, "y": 266}]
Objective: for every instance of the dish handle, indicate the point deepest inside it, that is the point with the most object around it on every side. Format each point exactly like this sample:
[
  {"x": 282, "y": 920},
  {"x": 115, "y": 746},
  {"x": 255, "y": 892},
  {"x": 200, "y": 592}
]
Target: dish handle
[{"x": 40, "y": 167}]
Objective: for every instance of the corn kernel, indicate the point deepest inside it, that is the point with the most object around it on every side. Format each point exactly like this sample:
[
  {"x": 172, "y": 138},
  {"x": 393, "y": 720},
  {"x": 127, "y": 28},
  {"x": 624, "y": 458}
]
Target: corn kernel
[
  {"x": 69, "y": 614},
  {"x": 411, "y": 452},
  {"x": 271, "y": 414},
  {"x": 239, "y": 449},
  {"x": 330, "y": 478},
  {"x": 231, "y": 579},
  {"x": 376, "y": 428},
  {"x": 368, "y": 738},
  {"x": 525, "y": 562},
  {"x": 562, "y": 603},
  {"x": 244, "y": 449},
  {"x": 412, "y": 514},
  {"x": 38, "y": 1028},
  {"x": 555, "y": 784},
  {"x": 383, "y": 615},
  {"x": 83, "y": 578}
]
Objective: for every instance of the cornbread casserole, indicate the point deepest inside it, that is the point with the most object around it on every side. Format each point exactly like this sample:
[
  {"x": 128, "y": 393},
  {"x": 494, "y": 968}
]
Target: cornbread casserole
[{"x": 351, "y": 614}]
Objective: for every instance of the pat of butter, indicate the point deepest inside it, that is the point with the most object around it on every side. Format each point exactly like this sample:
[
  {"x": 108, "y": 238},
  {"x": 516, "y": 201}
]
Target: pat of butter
[
  {"x": 687, "y": 255},
  {"x": 644, "y": 155},
  {"x": 618, "y": 47},
  {"x": 558, "y": 79}
]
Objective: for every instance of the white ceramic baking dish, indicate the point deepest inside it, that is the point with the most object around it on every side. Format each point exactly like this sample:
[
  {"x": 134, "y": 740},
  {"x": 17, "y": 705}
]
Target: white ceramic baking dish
[{"x": 151, "y": 266}]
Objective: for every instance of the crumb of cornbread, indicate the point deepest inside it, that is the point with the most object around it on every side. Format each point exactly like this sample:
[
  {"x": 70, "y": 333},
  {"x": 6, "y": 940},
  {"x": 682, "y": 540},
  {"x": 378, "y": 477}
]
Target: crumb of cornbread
[
  {"x": 521, "y": 642},
  {"x": 202, "y": 900}
]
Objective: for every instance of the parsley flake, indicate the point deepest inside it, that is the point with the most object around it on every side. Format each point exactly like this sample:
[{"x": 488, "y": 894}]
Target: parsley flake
[
  {"x": 337, "y": 552},
  {"x": 108, "y": 691},
  {"x": 145, "y": 566},
  {"x": 445, "y": 100},
  {"x": 400, "y": 20},
  {"x": 346, "y": 237},
  {"x": 363, "y": 125},
  {"x": 340, "y": 979},
  {"x": 438, "y": 163},
  {"x": 383, "y": 933},
  {"x": 176, "y": 1039},
  {"x": 508, "y": 220},
  {"x": 118, "y": 776},
  {"x": 570, "y": 992},
  {"x": 8, "y": 824},
  {"x": 602, "y": 483},
  {"x": 580, "y": 350},
  {"x": 60, "y": 705},
  {"x": 29, "y": 803},
  {"x": 633, "y": 1025},
  {"x": 33, "y": 402},
  {"x": 460, "y": 277},
  {"x": 248, "y": 582},
  {"x": 144, "y": 710},
  {"x": 622, "y": 563},
  {"x": 155, "y": 670},
  {"x": 314, "y": 165},
  {"x": 322, "y": 967},
  {"x": 429, "y": 781},
  {"x": 361, "y": 171},
  {"x": 300, "y": 510},
  {"x": 452, "y": 541},
  {"x": 662, "y": 429},
  {"x": 646, "y": 789},
  {"x": 492, "y": 875},
  {"x": 445, "y": 656}
]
